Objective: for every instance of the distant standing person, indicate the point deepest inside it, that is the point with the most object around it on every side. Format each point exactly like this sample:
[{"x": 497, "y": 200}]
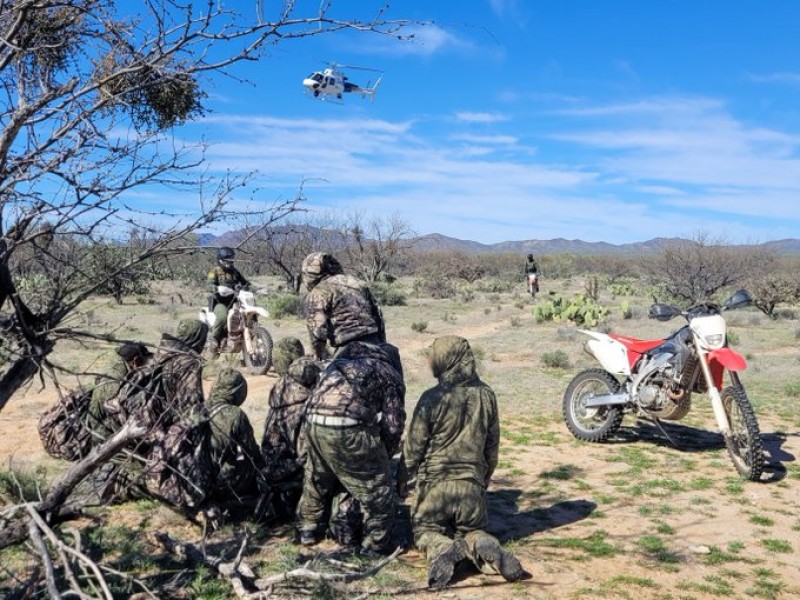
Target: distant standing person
[
  {"x": 452, "y": 448},
  {"x": 224, "y": 274},
  {"x": 532, "y": 275},
  {"x": 340, "y": 309}
]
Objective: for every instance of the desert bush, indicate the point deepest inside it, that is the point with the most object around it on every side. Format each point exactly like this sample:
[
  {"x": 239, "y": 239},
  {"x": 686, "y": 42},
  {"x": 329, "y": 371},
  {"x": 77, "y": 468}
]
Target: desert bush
[
  {"x": 419, "y": 326},
  {"x": 792, "y": 390},
  {"x": 557, "y": 359},
  {"x": 286, "y": 305},
  {"x": 516, "y": 322},
  {"x": 627, "y": 311},
  {"x": 466, "y": 296},
  {"x": 580, "y": 310},
  {"x": 388, "y": 294},
  {"x": 592, "y": 287},
  {"x": 496, "y": 286},
  {"x": 567, "y": 333},
  {"x": 771, "y": 289},
  {"x": 734, "y": 339},
  {"x": 437, "y": 288},
  {"x": 622, "y": 289}
]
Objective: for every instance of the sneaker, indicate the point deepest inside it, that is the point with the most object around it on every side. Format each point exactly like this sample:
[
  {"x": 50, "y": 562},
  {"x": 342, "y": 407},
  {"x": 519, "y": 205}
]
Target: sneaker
[
  {"x": 441, "y": 570},
  {"x": 505, "y": 563},
  {"x": 308, "y": 538}
]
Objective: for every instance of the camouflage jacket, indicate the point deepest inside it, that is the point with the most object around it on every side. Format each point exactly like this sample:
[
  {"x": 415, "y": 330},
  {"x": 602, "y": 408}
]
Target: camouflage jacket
[
  {"x": 283, "y": 444},
  {"x": 233, "y": 449},
  {"x": 363, "y": 383},
  {"x": 341, "y": 309},
  {"x": 182, "y": 374},
  {"x": 455, "y": 430},
  {"x": 106, "y": 387},
  {"x": 231, "y": 278}
]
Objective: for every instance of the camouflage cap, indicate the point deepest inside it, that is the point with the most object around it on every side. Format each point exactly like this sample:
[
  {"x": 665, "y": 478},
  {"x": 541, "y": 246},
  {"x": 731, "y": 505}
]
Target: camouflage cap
[
  {"x": 452, "y": 360},
  {"x": 319, "y": 265},
  {"x": 193, "y": 333},
  {"x": 286, "y": 352},
  {"x": 305, "y": 371},
  {"x": 229, "y": 387}
]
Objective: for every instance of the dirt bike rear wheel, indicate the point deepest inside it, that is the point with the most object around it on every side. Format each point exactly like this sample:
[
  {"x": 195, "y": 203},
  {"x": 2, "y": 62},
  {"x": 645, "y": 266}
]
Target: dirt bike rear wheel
[
  {"x": 259, "y": 361},
  {"x": 743, "y": 441},
  {"x": 591, "y": 424}
]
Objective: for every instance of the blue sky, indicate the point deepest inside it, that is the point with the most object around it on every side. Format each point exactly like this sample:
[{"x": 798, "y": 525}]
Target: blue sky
[{"x": 614, "y": 120}]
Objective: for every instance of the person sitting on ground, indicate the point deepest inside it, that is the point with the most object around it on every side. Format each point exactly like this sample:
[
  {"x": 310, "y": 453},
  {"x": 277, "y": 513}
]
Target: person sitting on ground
[
  {"x": 233, "y": 446},
  {"x": 283, "y": 442},
  {"x": 127, "y": 360},
  {"x": 452, "y": 449}
]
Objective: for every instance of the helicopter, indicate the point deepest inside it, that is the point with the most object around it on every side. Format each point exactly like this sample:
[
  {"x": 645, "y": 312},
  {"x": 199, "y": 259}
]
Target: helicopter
[{"x": 333, "y": 83}]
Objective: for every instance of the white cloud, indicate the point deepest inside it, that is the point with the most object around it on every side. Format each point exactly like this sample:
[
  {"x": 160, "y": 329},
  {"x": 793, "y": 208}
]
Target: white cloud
[
  {"x": 785, "y": 77},
  {"x": 480, "y": 117},
  {"x": 500, "y": 140},
  {"x": 420, "y": 40}
]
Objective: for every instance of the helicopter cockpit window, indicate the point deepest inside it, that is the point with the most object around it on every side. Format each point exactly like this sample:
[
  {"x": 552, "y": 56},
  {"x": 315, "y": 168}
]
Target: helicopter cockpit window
[{"x": 315, "y": 77}]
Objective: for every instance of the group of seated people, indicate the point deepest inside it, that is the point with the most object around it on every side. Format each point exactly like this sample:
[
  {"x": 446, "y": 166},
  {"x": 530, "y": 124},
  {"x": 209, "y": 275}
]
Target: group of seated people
[{"x": 335, "y": 424}]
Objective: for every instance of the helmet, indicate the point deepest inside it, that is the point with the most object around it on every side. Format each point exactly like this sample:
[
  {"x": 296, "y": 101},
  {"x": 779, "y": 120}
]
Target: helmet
[
  {"x": 225, "y": 256},
  {"x": 530, "y": 256},
  {"x": 317, "y": 266}
]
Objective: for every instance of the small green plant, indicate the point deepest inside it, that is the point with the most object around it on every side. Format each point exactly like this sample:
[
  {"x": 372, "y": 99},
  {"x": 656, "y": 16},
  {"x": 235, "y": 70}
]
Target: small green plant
[
  {"x": 516, "y": 322},
  {"x": 656, "y": 549},
  {"x": 562, "y": 473},
  {"x": 466, "y": 296},
  {"x": 773, "y": 545},
  {"x": 557, "y": 359},
  {"x": 762, "y": 521},
  {"x": 627, "y": 311},
  {"x": 281, "y": 306},
  {"x": 388, "y": 294},
  {"x": 733, "y": 338},
  {"x": 580, "y": 310},
  {"x": 419, "y": 326},
  {"x": 792, "y": 390}
]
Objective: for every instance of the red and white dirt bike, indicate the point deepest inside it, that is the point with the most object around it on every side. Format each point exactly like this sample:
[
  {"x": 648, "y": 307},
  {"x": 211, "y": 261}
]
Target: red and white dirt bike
[
  {"x": 656, "y": 379},
  {"x": 533, "y": 284}
]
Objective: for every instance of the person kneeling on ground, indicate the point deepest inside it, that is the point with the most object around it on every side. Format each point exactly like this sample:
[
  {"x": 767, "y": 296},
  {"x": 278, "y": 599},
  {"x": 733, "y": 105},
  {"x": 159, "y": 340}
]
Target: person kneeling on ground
[
  {"x": 233, "y": 446},
  {"x": 452, "y": 449},
  {"x": 283, "y": 443}
]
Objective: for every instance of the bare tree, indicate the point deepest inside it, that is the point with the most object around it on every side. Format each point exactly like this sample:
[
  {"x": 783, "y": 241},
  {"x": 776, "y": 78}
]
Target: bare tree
[
  {"x": 374, "y": 246},
  {"x": 695, "y": 270},
  {"x": 88, "y": 100},
  {"x": 771, "y": 289}
]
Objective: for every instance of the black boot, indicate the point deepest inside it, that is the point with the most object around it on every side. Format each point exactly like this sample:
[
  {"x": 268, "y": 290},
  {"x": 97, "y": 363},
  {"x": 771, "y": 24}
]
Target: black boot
[
  {"x": 492, "y": 553},
  {"x": 441, "y": 570}
]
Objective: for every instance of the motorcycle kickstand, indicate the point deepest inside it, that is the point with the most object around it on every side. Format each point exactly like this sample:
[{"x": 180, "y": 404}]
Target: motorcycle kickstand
[{"x": 657, "y": 421}]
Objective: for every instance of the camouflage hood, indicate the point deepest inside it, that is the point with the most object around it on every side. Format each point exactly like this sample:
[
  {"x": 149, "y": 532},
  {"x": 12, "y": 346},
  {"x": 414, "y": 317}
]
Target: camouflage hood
[
  {"x": 318, "y": 266},
  {"x": 358, "y": 350},
  {"x": 305, "y": 371},
  {"x": 230, "y": 387},
  {"x": 452, "y": 361},
  {"x": 191, "y": 335},
  {"x": 286, "y": 352}
]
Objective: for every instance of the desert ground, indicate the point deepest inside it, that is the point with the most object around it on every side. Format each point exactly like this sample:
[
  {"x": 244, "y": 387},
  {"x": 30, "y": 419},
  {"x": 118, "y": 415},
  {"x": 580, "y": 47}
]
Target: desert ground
[{"x": 631, "y": 518}]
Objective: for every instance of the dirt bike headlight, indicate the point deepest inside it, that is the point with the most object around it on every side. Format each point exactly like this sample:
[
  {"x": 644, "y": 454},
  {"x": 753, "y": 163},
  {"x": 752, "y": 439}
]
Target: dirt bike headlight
[{"x": 715, "y": 340}]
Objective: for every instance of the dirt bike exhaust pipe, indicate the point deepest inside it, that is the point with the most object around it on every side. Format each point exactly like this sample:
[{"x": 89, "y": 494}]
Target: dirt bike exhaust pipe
[{"x": 607, "y": 400}]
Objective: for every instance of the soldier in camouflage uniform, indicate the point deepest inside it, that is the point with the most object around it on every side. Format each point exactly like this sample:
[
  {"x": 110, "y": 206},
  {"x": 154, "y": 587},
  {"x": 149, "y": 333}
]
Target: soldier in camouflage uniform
[
  {"x": 227, "y": 275},
  {"x": 127, "y": 359},
  {"x": 452, "y": 449},
  {"x": 233, "y": 445},
  {"x": 182, "y": 370},
  {"x": 355, "y": 418},
  {"x": 339, "y": 308}
]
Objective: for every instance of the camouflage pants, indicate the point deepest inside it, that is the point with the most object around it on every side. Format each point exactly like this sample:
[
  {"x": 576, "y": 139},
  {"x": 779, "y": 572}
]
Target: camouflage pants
[
  {"x": 449, "y": 509},
  {"x": 221, "y": 322},
  {"x": 352, "y": 460}
]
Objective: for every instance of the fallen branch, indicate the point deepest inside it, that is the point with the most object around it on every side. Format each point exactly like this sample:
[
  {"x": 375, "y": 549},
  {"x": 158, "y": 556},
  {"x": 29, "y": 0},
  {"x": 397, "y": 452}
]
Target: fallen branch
[
  {"x": 241, "y": 576},
  {"x": 16, "y": 529},
  {"x": 41, "y": 549}
]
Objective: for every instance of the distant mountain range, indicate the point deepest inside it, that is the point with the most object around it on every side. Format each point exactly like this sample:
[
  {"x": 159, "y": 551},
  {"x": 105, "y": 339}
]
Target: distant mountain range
[{"x": 436, "y": 241}]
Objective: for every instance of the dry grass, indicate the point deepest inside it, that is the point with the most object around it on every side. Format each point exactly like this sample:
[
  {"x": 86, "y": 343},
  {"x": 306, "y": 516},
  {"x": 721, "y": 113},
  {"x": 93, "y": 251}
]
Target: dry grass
[{"x": 635, "y": 518}]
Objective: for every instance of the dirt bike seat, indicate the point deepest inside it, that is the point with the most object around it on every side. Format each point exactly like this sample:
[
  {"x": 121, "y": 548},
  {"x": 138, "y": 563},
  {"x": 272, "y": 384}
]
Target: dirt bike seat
[{"x": 636, "y": 345}]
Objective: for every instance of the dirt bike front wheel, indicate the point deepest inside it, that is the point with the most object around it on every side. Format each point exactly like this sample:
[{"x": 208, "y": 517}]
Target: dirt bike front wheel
[
  {"x": 259, "y": 361},
  {"x": 591, "y": 424},
  {"x": 744, "y": 437}
]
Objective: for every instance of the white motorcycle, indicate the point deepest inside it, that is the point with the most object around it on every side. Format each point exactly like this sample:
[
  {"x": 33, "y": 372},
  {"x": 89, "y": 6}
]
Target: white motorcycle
[
  {"x": 244, "y": 332},
  {"x": 656, "y": 379}
]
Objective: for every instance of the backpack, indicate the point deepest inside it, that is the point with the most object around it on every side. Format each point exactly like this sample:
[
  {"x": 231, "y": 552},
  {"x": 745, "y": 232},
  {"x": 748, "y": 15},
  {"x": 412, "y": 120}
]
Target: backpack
[
  {"x": 62, "y": 427},
  {"x": 142, "y": 395},
  {"x": 179, "y": 468}
]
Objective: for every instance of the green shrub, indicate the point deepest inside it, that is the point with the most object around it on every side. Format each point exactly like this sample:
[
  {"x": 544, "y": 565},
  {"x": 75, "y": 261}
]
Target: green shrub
[
  {"x": 622, "y": 289},
  {"x": 419, "y": 326},
  {"x": 733, "y": 338},
  {"x": 557, "y": 359},
  {"x": 580, "y": 310},
  {"x": 438, "y": 289},
  {"x": 388, "y": 294},
  {"x": 627, "y": 311},
  {"x": 285, "y": 305},
  {"x": 466, "y": 296},
  {"x": 792, "y": 390}
]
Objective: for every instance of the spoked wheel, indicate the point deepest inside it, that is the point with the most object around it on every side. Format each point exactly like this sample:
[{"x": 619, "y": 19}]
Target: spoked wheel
[
  {"x": 259, "y": 361},
  {"x": 744, "y": 439},
  {"x": 591, "y": 424}
]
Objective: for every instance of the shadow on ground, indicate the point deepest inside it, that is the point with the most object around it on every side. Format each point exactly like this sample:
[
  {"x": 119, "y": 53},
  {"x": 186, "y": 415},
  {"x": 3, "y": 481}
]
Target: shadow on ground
[
  {"x": 507, "y": 523},
  {"x": 775, "y": 455},
  {"x": 675, "y": 435}
]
